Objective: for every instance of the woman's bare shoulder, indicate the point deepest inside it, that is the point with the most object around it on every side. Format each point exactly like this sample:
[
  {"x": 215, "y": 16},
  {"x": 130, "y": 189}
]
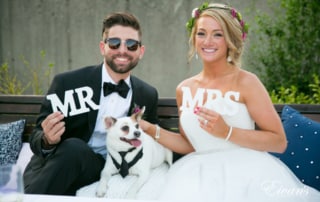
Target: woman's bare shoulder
[
  {"x": 187, "y": 82},
  {"x": 247, "y": 78}
]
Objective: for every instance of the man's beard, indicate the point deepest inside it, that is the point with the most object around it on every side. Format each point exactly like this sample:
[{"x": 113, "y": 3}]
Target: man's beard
[{"x": 121, "y": 69}]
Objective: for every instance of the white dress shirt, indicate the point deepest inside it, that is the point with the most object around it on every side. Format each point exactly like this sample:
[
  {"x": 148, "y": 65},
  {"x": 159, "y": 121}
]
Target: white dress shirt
[{"x": 112, "y": 105}]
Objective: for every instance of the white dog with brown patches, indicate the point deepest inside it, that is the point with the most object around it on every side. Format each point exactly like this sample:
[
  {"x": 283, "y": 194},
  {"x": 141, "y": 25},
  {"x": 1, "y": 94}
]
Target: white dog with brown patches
[{"x": 130, "y": 152}]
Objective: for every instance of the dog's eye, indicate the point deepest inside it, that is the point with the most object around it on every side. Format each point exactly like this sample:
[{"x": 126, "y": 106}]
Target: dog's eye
[
  {"x": 125, "y": 128},
  {"x": 137, "y": 126}
]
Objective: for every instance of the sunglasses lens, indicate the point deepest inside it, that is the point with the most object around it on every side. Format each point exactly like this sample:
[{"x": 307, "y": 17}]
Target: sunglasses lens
[
  {"x": 114, "y": 43},
  {"x": 132, "y": 45}
]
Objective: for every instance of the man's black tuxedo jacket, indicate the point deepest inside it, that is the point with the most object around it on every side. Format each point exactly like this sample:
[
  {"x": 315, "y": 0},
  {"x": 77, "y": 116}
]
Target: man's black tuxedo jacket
[{"x": 82, "y": 125}]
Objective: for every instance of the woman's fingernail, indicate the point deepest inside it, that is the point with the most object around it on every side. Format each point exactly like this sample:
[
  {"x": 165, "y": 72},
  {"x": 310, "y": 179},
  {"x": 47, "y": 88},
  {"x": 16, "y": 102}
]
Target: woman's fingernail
[{"x": 196, "y": 110}]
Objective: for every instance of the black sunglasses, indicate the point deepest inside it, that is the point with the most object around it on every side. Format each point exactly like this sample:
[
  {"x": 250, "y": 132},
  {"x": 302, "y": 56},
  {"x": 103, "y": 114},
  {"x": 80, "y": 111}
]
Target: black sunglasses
[{"x": 131, "y": 44}]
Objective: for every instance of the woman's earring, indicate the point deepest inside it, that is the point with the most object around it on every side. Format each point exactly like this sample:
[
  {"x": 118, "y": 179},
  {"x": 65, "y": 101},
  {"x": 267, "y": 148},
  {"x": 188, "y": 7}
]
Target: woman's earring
[
  {"x": 197, "y": 57},
  {"x": 229, "y": 59}
]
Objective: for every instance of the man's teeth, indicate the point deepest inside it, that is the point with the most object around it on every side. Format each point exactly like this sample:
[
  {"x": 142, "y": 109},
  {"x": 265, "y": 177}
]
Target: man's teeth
[{"x": 122, "y": 59}]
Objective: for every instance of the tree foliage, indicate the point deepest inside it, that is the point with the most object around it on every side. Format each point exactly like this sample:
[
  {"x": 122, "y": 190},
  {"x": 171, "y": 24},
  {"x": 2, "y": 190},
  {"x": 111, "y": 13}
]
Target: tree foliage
[
  {"x": 291, "y": 94},
  {"x": 36, "y": 76},
  {"x": 288, "y": 51},
  {"x": 9, "y": 84}
]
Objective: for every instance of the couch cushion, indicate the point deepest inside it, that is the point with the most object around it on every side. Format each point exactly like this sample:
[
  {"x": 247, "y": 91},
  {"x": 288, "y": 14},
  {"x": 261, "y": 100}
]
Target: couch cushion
[
  {"x": 10, "y": 141},
  {"x": 24, "y": 156},
  {"x": 303, "y": 152}
]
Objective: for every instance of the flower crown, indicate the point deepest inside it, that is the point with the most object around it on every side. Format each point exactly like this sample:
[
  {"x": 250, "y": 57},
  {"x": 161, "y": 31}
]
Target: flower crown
[{"x": 197, "y": 11}]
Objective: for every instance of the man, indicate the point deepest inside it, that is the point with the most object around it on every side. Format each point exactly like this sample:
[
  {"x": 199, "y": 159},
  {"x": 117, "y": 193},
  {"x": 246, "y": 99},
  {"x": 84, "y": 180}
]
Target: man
[{"x": 69, "y": 140}]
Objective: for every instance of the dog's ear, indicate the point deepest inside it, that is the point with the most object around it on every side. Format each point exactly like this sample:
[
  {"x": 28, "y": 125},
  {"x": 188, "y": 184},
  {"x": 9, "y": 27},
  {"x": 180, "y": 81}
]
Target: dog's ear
[
  {"x": 109, "y": 121},
  {"x": 137, "y": 116}
]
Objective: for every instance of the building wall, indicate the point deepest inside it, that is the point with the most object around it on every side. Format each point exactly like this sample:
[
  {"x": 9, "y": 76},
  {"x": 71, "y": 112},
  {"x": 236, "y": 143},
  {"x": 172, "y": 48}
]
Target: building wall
[{"x": 69, "y": 31}]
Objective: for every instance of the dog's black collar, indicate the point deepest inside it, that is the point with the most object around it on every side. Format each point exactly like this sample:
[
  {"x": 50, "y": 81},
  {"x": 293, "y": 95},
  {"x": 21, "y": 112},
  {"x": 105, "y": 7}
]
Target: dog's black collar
[{"x": 124, "y": 167}]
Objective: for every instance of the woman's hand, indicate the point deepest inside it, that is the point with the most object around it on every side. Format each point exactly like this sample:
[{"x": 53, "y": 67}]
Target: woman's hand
[{"x": 212, "y": 122}]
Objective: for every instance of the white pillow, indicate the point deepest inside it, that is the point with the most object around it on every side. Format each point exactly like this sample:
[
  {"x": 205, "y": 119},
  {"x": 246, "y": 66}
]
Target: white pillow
[{"x": 24, "y": 156}]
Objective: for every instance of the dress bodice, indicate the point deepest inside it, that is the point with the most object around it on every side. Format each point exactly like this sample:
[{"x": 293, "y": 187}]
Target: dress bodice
[{"x": 234, "y": 114}]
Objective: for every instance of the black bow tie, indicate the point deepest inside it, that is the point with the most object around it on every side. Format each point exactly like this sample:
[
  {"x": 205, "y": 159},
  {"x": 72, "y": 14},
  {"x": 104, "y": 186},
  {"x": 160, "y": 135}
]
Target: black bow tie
[{"x": 122, "y": 88}]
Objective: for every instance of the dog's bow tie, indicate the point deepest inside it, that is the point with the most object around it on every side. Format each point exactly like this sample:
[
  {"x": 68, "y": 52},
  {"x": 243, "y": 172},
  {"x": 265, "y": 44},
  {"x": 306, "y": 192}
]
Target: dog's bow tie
[{"x": 122, "y": 88}]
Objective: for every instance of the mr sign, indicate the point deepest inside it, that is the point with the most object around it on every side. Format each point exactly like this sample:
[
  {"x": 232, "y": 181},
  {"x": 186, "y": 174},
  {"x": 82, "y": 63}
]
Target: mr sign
[{"x": 84, "y": 95}]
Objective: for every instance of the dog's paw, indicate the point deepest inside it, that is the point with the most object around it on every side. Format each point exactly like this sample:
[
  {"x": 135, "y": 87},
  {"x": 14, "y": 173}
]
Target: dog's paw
[{"x": 101, "y": 192}]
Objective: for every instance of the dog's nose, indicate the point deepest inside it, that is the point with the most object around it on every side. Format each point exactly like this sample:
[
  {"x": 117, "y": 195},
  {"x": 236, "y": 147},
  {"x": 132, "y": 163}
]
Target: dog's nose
[{"x": 137, "y": 133}]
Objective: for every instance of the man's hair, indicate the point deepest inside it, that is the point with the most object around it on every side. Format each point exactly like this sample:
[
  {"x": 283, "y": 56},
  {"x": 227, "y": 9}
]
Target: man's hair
[{"x": 123, "y": 19}]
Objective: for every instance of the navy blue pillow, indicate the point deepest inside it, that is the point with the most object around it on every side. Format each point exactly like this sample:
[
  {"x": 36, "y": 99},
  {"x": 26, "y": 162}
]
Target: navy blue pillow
[{"x": 303, "y": 152}]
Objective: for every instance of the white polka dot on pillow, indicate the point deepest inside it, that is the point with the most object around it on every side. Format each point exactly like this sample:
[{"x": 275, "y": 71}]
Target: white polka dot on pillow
[{"x": 302, "y": 155}]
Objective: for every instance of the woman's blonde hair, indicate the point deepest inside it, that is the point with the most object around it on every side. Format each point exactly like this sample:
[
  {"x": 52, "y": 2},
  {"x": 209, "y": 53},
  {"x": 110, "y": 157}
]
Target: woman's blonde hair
[{"x": 232, "y": 28}]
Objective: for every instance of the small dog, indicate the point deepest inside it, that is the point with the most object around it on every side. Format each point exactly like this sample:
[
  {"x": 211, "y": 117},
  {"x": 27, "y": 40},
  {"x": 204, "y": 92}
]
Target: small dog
[{"x": 130, "y": 152}]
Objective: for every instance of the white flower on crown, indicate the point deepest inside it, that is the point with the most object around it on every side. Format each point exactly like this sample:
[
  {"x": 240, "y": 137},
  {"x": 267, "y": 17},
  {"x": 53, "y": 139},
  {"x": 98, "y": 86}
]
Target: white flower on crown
[{"x": 194, "y": 12}]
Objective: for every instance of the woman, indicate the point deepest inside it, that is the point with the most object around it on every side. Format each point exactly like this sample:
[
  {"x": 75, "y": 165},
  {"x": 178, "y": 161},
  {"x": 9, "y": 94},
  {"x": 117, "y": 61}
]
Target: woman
[{"x": 227, "y": 157}]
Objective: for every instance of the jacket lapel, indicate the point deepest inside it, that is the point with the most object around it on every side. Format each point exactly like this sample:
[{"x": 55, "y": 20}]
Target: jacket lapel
[
  {"x": 135, "y": 94},
  {"x": 94, "y": 81}
]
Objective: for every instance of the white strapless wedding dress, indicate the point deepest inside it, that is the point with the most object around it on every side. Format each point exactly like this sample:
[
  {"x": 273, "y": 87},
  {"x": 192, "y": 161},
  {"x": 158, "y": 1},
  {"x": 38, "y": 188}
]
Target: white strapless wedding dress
[{"x": 221, "y": 171}]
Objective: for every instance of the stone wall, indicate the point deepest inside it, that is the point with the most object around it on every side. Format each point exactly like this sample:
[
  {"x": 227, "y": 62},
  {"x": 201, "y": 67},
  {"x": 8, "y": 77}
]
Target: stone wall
[{"x": 69, "y": 31}]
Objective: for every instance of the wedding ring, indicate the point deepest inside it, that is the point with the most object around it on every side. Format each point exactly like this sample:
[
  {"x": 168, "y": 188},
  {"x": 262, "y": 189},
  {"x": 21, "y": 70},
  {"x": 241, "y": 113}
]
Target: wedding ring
[{"x": 205, "y": 122}]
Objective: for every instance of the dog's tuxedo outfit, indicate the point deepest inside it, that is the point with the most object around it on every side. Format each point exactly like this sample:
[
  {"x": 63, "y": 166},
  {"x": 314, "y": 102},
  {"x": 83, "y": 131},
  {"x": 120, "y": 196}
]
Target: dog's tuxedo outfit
[{"x": 124, "y": 166}]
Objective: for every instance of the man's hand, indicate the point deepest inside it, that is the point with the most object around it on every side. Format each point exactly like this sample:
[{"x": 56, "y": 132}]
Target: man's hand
[{"x": 53, "y": 128}]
